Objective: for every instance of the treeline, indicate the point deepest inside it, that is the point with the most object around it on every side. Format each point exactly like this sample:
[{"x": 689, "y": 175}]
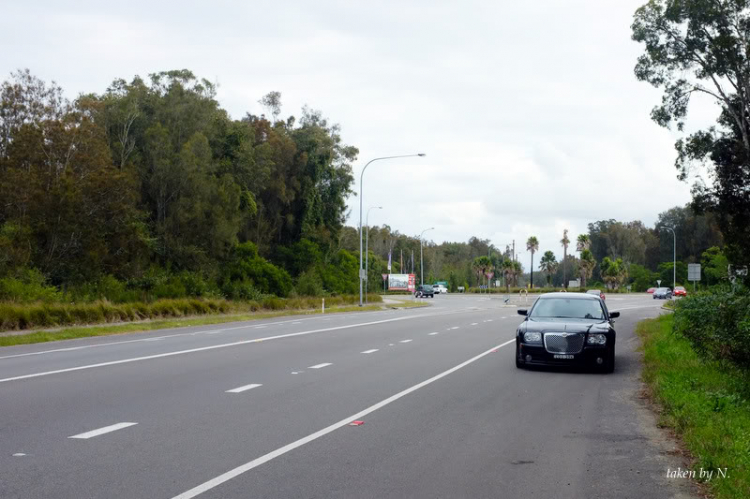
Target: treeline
[
  {"x": 151, "y": 190},
  {"x": 612, "y": 254}
]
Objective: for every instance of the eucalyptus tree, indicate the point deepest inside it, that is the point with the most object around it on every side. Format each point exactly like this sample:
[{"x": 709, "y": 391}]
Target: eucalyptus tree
[{"x": 700, "y": 48}]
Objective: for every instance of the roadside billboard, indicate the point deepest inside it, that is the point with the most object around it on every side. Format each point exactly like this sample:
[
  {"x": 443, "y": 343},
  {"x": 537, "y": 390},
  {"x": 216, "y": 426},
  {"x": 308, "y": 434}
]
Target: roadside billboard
[{"x": 402, "y": 282}]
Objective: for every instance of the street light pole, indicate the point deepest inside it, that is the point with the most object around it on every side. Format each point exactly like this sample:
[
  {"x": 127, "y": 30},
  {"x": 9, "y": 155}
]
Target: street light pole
[
  {"x": 367, "y": 243},
  {"x": 361, "y": 179},
  {"x": 421, "y": 260},
  {"x": 674, "y": 261}
]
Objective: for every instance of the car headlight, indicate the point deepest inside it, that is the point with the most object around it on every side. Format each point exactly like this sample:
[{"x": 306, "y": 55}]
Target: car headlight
[
  {"x": 532, "y": 337},
  {"x": 597, "y": 339}
]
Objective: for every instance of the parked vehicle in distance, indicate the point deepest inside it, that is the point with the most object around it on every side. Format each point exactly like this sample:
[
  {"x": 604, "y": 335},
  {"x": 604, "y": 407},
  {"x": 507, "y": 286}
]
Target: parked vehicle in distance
[
  {"x": 440, "y": 289},
  {"x": 650, "y": 290},
  {"x": 680, "y": 291},
  {"x": 566, "y": 329},
  {"x": 597, "y": 292},
  {"x": 662, "y": 294},
  {"x": 425, "y": 291}
]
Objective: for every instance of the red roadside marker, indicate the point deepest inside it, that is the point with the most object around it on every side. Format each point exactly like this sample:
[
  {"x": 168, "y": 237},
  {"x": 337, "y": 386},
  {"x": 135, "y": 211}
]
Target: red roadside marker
[{"x": 356, "y": 423}]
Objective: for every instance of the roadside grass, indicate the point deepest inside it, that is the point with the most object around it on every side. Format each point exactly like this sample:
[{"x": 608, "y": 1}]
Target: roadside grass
[
  {"x": 706, "y": 404},
  {"x": 30, "y": 316},
  {"x": 137, "y": 327}
]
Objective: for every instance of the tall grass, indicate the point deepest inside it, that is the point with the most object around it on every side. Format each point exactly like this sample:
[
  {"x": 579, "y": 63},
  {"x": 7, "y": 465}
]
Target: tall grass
[{"x": 23, "y": 316}]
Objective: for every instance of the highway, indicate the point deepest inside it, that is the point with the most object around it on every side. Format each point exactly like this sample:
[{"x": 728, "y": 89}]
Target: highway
[{"x": 263, "y": 409}]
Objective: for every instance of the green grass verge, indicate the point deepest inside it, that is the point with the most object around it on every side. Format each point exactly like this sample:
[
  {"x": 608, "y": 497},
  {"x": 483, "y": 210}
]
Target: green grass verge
[
  {"x": 706, "y": 403},
  {"x": 86, "y": 332}
]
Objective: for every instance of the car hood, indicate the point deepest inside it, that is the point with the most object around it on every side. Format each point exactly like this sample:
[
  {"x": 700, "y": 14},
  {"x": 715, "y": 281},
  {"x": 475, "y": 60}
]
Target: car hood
[{"x": 567, "y": 325}]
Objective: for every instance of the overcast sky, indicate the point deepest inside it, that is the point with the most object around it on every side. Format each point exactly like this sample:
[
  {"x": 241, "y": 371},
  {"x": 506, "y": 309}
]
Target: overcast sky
[{"x": 529, "y": 113}]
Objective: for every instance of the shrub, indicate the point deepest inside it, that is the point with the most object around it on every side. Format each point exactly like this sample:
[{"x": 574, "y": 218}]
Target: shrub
[
  {"x": 28, "y": 285},
  {"x": 310, "y": 284},
  {"x": 717, "y": 323}
]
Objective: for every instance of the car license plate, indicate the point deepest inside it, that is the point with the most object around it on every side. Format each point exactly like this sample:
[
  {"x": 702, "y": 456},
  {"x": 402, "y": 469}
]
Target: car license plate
[{"x": 563, "y": 357}]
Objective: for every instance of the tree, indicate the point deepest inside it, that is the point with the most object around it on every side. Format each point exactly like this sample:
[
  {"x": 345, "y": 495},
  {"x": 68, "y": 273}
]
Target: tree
[
  {"x": 532, "y": 245},
  {"x": 699, "y": 48},
  {"x": 714, "y": 265},
  {"x": 586, "y": 266},
  {"x": 583, "y": 242},
  {"x": 614, "y": 272},
  {"x": 565, "y": 242},
  {"x": 548, "y": 265}
]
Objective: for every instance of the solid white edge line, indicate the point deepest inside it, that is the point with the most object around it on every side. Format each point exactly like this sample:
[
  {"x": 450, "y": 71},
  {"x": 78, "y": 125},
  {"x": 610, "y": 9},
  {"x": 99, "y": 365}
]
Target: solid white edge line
[
  {"x": 320, "y": 366},
  {"x": 244, "y": 388},
  {"x": 194, "y": 333},
  {"x": 225, "y": 477},
  {"x": 102, "y": 431}
]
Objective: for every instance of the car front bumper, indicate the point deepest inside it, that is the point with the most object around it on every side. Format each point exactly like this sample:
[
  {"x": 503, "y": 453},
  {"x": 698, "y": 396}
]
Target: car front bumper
[{"x": 540, "y": 356}]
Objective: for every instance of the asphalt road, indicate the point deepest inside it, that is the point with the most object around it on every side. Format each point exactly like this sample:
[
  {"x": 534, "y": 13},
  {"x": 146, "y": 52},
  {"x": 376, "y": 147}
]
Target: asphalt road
[{"x": 262, "y": 409}]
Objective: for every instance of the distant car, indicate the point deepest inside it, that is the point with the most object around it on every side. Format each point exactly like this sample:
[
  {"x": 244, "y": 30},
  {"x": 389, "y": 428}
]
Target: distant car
[
  {"x": 662, "y": 294},
  {"x": 566, "y": 329},
  {"x": 680, "y": 291},
  {"x": 425, "y": 290},
  {"x": 596, "y": 292},
  {"x": 650, "y": 290},
  {"x": 440, "y": 289}
]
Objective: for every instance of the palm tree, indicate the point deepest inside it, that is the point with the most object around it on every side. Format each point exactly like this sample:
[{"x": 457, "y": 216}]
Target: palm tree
[
  {"x": 532, "y": 245},
  {"x": 548, "y": 265},
  {"x": 565, "y": 242},
  {"x": 517, "y": 271},
  {"x": 508, "y": 269},
  {"x": 584, "y": 242},
  {"x": 586, "y": 266}
]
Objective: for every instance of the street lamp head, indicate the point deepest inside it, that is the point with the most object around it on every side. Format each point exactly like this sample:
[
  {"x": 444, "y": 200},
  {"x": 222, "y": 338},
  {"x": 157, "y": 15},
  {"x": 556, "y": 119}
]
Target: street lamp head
[{"x": 421, "y": 154}]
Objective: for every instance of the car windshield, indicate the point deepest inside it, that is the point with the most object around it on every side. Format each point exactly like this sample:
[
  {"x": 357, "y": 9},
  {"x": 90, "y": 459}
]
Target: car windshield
[{"x": 567, "y": 308}]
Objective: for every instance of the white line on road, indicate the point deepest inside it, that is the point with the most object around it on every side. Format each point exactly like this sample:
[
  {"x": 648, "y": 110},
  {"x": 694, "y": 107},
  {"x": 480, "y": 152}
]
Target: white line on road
[
  {"x": 320, "y": 366},
  {"x": 204, "y": 349},
  {"x": 370, "y": 351},
  {"x": 102, "y": 431},
  {"x": 473, "y": 323},
  {"x": 454, "y": 327},
  {"x": 404, "y": 341},
  {"x": 244, "y": 388},
  {"x": 490, "y": 320},
  {"x": 225, "y": 477},
  {"x": 433, "y": 334}
]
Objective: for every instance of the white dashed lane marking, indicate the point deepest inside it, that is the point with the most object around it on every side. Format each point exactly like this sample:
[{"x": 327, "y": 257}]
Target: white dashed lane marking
[
  {"x": 244, "y": 388},
  {"x": 370, "y": 351},
  {"x": 404, "y": 341},
  {"x": 320, "y": 366},
  {"x": 433, "y": 334},
  {"x": 102, "y": 431}
]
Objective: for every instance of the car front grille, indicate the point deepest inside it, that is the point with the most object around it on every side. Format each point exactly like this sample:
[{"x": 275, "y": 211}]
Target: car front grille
[{"x": 563, "y": 342}]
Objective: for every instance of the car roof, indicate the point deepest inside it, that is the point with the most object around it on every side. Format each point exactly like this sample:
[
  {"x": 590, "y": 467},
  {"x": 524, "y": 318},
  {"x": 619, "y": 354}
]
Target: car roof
[{"x": 562, "y": 294}]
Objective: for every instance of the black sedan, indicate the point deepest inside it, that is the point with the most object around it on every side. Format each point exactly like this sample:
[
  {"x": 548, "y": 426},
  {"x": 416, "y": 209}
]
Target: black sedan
[{"x": 566, "y": 329}]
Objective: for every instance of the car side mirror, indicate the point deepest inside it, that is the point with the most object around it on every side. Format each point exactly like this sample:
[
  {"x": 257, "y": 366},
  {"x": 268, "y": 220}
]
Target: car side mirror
[
  {"x": 522, "y": 311},
  {"x": 614, "y": 315}
]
